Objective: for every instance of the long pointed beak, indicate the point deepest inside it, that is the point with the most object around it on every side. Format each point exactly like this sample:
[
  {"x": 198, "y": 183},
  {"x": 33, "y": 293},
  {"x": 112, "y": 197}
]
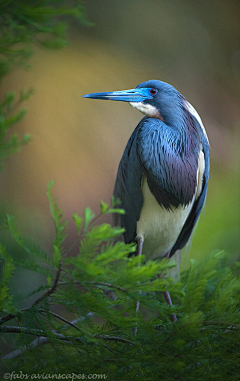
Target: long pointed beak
[{"x": 132, "y": 95}]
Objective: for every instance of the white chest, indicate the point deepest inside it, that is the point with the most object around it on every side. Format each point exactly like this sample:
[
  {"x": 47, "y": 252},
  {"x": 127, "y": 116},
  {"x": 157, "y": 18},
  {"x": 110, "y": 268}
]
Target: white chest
[{"x": 159, "y": 227}]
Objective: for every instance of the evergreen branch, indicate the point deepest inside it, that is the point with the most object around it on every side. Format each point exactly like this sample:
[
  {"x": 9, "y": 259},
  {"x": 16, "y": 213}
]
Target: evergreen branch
[
  {"x": 212, "y": 322},
  {"x": 64, "y": 320},
  {"x": 108, "y": 285},
  {"x": 29, "y": 247},
  {"x": 19, "y": 352},
  {"x": 60, "y": 226},
  {"x": 109, "y": 348},
  {"x": 114, "y": 338},
  {"x": 50, "y": 290},
  {"x": 90, "y": 219},
  {"x": 40, "y": 340},
  {"x": 59, "y": 336},
  {"x": 95, "y": 219},
  {"x": 206, "y": 322},
  {"x": 35, "y": 332},
  {"x": 7, "y": 269},
  {"x": 8, "y": 317}
]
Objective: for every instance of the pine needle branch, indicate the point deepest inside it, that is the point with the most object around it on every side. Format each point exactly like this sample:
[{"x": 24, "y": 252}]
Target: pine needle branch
[
  {"x": 63, "y": 319},
  {"x": 51, "y": 290},
  {"x": 115, "y": 338},
  {"x": 19, "y": 352},
  {"x": 9, "y": 317},
  {"x": 109, "y": 285}
]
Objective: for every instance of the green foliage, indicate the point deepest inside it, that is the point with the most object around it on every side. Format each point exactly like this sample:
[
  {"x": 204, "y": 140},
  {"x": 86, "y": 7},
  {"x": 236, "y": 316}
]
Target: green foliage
[
  {"x": 26, "y": 22},
  {"x": 23, "y": 24},
  {"x": 9, "y": 116},
  {"x": 7, "y": 269},
  {"x": 86, "y": 312}
]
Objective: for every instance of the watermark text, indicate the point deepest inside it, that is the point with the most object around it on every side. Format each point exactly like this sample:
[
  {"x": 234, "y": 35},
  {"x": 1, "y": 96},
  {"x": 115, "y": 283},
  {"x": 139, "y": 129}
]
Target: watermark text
[{"x": 53, "y": 376}]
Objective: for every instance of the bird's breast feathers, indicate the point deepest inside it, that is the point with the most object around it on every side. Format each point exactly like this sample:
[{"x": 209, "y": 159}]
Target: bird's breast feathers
[{"x": 160, "y": 227}]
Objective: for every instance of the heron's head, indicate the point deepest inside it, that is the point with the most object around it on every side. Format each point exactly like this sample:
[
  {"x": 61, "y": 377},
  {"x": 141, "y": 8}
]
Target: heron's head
[{"x": 155, "y": 99}]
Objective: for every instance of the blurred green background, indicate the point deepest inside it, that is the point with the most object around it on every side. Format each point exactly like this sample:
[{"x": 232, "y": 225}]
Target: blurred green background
[{"x": 194, "y": 45}]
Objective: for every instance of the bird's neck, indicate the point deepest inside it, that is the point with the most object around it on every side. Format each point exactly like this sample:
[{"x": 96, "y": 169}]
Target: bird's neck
[{"x": 182, "y": 131}]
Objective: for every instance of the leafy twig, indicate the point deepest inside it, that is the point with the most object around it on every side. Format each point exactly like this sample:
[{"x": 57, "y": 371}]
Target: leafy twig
[
  {"x": 212, "y": 322},
  {"x": 19, "y": 352},
  {"x": 64, "y": 320},
  {"x": 114, "y": 338},
  {"x": 50, "y": 290},
  {"x": 8, "y": 317},
  {"x": 109, "y": 285},
  {"x": 40, "y": 340},
  {"x": 35, "y": 332},
  {"x": 208, "y": 322},
  {"x": 43, "y": 339}
]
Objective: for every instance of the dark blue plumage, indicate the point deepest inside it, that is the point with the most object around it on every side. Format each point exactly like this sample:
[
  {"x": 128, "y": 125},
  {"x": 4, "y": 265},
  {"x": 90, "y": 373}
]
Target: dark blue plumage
[{"x": 163, "y": 174}]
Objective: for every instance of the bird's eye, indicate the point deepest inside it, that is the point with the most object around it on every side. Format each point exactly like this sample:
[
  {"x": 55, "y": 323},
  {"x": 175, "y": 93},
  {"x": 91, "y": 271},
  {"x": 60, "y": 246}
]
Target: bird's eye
[{"x": 153, "y": 91}]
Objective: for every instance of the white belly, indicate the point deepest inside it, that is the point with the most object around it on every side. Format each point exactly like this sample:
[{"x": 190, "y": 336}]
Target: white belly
[{"x": 159, "y": 227}]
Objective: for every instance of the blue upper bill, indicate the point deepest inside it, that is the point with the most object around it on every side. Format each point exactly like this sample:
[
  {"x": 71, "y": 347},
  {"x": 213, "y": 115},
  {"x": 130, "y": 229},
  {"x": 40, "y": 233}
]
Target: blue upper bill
[{"x": 132, "y": 95}]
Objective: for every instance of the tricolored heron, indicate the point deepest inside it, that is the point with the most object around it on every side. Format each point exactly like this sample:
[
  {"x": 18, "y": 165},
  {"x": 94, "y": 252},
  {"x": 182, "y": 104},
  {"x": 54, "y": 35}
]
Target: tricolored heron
[{"x": 163, "y": 175}]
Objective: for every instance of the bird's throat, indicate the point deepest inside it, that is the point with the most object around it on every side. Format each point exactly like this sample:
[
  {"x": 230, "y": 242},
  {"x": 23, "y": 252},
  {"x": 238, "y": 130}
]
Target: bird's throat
[{"x": 147, "y": 109}]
